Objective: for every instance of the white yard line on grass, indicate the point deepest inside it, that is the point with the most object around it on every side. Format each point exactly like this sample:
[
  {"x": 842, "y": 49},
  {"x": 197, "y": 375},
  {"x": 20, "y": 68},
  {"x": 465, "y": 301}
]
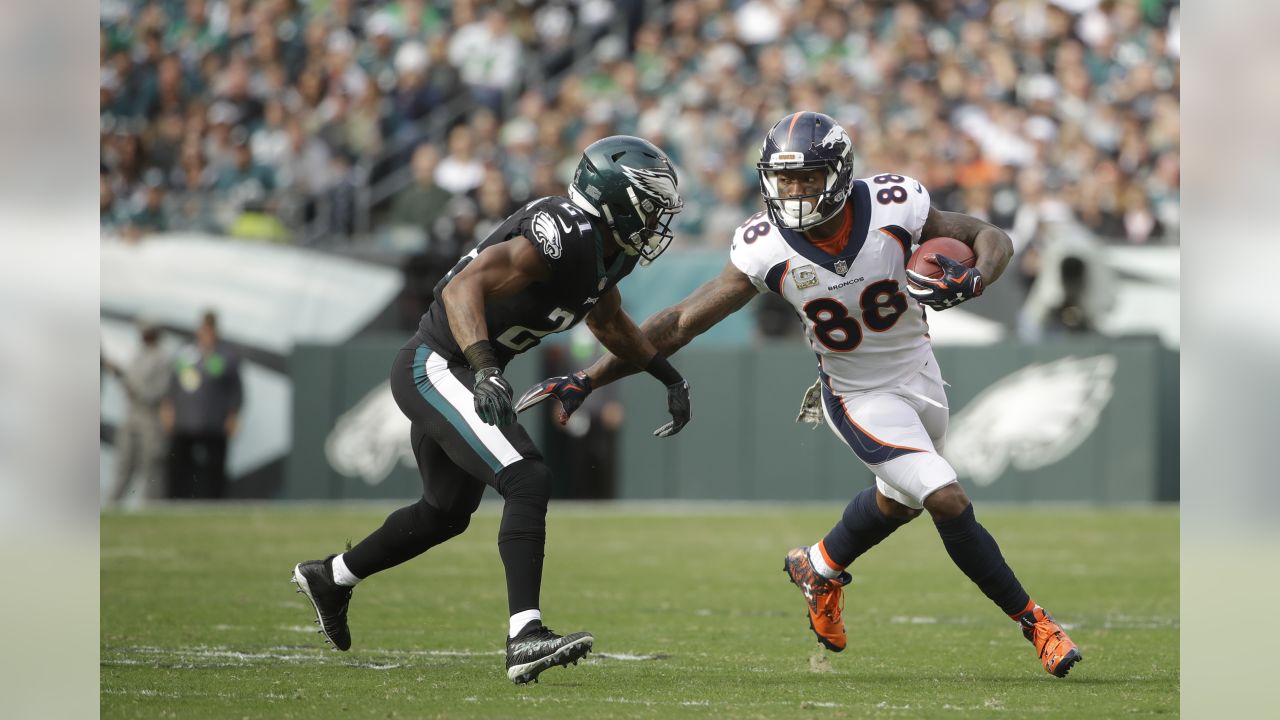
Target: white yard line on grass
[{"x": 371, "y": 659}]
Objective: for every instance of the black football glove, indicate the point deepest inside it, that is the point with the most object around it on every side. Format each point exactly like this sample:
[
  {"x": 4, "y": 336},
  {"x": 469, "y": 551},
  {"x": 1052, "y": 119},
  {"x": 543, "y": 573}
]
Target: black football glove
[
  {"x": 678, "y": 406},
  {"x": 570, "y": 390},
  {"x": 957, "y": 284},
  {"x": 493, "y": 397}
]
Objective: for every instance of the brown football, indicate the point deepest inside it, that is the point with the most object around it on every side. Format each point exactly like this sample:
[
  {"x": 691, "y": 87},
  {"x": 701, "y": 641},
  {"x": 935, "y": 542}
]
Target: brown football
[{"x": 922, "y": 259}]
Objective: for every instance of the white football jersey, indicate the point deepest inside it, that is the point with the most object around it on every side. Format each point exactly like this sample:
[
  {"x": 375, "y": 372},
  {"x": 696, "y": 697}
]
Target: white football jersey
[{"x": 867, "y": 331}]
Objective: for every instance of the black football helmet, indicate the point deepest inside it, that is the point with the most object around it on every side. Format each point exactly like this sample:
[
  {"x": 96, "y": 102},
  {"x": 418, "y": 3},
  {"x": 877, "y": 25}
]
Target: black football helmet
[
  {"x": 806, "y": 140},
  {"x": 631, "y": 184}
]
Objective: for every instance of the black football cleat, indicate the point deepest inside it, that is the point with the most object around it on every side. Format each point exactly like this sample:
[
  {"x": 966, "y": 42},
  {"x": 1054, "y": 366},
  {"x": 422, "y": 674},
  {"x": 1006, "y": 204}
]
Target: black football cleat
[
  {"x": 536, "y": 648},
  {"x": 314, "y": 579}
]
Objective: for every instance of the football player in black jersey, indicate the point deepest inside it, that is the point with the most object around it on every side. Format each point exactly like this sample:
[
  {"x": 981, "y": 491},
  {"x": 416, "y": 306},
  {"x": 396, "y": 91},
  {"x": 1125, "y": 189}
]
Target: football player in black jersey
[{"x": 553, "y": 263}]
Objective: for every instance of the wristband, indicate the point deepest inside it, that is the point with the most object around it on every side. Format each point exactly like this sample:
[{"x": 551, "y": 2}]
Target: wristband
[
  {"x": 661, "y": 369},
  {"x": 480, "y": 355}
]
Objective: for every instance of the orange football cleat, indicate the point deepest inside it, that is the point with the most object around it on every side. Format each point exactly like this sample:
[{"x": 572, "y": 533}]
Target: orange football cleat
[
  {"x": 1056, "y": 650},
  {"x": 825, "y": 597}
]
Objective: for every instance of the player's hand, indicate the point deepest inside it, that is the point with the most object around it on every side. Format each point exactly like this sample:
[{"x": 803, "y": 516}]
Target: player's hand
[
  {"x": 493, "y": 397},
  {"x": 678, "y": 406},
  {"x": 957, "y": 284},
  {"x": 570, "y": 390}
]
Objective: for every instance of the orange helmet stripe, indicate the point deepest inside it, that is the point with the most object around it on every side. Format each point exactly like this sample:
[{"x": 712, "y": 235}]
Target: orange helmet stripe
[{"x": 794, "y": 119}]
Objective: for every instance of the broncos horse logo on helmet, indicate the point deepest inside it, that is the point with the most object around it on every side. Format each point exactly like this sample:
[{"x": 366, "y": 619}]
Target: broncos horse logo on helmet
[
  {"x": 803, "y": 141},
  {"x": 630, "y": 184}
]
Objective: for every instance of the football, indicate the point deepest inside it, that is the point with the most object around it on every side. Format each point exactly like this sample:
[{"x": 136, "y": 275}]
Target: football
[{"x": 922, "y": 259}]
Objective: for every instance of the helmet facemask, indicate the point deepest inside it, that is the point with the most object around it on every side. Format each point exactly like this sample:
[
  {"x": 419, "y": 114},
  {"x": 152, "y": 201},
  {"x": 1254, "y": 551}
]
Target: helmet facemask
[
  {"x": 803, "y": 212},
  {"x": 645, "y": 229}
]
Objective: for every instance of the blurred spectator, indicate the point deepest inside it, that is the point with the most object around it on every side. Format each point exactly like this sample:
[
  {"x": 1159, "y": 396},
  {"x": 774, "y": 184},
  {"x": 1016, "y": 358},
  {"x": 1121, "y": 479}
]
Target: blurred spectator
[
  {"x": 734, "y": 202},
  {"x": 423, "y": 202},
  {"x": 493, "y": 203},
  {"x": 269, "y": 143},
  {"x": 1140, "y": 224},
  {"x": 201, "y": 412},
  {"x": 1072, "y": 284},
  {"x": 963, "y": 95},
  {"x": 487, "y": 55},
  {"x": 149, "y": 215},
  {"x": 304, "y": 165},
  {"x": 110, "y": 215},
  {"x": 377, "y": 57},
  {"x": 246, "y": 178},
  {"x": 456, "y": 228},
  {"x": 338, "y": 205},
  {"x": 460, "y": 171},
  {"x": 424, "y": 206},
  {"x": 140, "y": 440}
]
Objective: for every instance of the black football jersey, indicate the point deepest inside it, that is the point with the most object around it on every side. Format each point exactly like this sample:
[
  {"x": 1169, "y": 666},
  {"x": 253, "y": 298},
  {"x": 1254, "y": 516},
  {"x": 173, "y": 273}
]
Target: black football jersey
[{"x": 573, "y": 249}]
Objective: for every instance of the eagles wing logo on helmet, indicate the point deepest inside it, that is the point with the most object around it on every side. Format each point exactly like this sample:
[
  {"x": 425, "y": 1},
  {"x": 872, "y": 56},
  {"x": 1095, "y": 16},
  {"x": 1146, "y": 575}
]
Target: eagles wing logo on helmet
[
  {"x": 1031, "y": 418},
  {"x": 367, "y": 440},
  {"x": 657, "y": 183},
  {"x": 835, "y": 138},
  {"x": 547, "y": 234}
]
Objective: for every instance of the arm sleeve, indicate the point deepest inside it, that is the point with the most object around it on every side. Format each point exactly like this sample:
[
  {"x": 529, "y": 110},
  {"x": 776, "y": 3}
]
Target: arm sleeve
[
  {"x": 917, "y": 210},
  {"x": 750, "y": 259}
]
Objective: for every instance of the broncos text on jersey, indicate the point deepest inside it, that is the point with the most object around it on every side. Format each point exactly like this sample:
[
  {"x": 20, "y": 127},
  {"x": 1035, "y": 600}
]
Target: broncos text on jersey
[{"x": 867, "y": 331}]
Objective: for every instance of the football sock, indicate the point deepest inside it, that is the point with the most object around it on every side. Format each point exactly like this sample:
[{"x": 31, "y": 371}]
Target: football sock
[
  {"x": 861, "y": 528},
  {"x": 1031, "y": 605},
  {"x": 520, "y": 619},
  {"x": 818, "y": 558},
  {"x": 404, "y": 535},
  {"x": 526, "y": 486},
  {"x": 976, "y": 553},
  {"x": 341, "y": 574}
]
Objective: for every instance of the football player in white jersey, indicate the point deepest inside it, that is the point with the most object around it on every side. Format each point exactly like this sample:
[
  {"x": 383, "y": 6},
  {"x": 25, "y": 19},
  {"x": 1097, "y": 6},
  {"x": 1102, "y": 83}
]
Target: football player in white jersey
[{"x": 836, "y": 247}]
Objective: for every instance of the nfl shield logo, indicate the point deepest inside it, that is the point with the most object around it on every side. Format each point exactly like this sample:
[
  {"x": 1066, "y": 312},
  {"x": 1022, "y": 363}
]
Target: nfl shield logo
[{"x": 841, "y": 267}]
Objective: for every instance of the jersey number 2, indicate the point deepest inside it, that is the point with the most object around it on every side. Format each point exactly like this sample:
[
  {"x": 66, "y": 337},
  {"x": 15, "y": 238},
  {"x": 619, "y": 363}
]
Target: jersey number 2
[
  {"x": 882, "y": 304},
  {"x": 519, "y": 338}
]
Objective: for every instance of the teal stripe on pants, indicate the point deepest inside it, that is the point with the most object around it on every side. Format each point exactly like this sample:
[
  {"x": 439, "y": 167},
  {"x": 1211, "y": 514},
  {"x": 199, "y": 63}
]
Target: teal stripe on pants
[{"x": 437, "y": 401}]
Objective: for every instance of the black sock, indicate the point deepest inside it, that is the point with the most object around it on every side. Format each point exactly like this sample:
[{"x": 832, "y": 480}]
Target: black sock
[
  {"x": 976, "y": 553},
  {"x": 526, "y": 486},
  {"x": 406, "y": 534},
  {"x": 861, "y": 528}
]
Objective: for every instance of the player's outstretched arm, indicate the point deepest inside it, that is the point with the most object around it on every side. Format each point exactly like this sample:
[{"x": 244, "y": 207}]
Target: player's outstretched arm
[
  {"x": 671, "y": 329},
  {"x": 615, "y": 329},
  {"x": 646, "y": 348},
  {"x": 990, "y": 244}
]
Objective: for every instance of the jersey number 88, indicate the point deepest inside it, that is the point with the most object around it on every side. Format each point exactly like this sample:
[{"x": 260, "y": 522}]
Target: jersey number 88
[{"x": 882, "y": 304}]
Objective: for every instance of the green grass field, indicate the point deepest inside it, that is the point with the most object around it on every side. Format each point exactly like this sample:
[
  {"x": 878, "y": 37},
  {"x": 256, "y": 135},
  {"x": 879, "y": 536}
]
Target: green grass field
[{"x": 692, "y": 615}]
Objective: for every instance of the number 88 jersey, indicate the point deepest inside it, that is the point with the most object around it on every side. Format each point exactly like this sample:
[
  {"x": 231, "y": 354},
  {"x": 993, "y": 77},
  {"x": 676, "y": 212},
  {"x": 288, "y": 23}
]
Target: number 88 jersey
[{"x": 867, "y": 331}]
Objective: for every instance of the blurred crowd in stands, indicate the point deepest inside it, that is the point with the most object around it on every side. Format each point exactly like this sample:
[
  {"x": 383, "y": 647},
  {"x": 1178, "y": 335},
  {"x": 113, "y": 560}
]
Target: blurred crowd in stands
[{"x": 431, "y": 120}]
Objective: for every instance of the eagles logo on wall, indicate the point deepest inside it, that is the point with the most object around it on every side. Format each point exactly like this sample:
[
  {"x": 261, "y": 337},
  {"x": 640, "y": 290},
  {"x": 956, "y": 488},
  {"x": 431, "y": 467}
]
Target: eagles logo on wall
[
  {"x": 368, "y": 440},
  {"x": 1031, "y": 418}
]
